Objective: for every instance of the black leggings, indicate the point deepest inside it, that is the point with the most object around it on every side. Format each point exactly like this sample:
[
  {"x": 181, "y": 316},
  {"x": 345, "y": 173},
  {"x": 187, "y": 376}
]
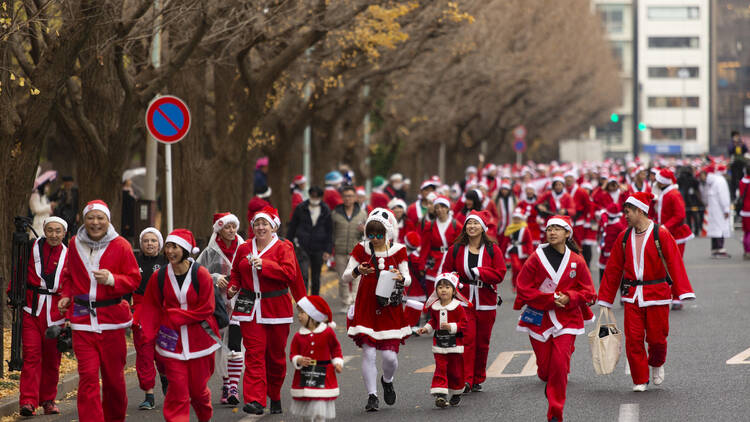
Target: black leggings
[{"x": 717, "y": 243}]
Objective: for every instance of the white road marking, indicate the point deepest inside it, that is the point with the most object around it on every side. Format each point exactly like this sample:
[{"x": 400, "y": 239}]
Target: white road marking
[
  {"x": 426, "y": 370},
  {"x": 496, "y": 370},
  {"x": 740, "y": 358},
  {"x": 628, "y": 412},
  {"x": 251, "y": 418},
  {"x": 348, "y": 358}
]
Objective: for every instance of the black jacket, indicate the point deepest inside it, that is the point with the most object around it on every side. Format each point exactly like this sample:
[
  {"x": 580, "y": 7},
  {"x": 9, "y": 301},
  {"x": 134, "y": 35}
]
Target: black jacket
[{"x": 318, "y": 238}]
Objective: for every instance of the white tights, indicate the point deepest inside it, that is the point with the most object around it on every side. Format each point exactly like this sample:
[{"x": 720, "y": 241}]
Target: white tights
[{"x": 370, "y": 370}]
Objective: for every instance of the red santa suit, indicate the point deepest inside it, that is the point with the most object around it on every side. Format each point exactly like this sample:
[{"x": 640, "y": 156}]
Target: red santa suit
[
  {"x": 552, "y": 332},
  {"x": 99, "y": 315},
  {"x": 41, "y": 359},
  {"x": 180, "y": 319},
  {"x": 480, "y": 287},
  {"x": 744, "y": 190},
  {"x": 612, "y": 225},
  {"x": 518, "y": 246},
  {"x": 646, "y": 293},
  {"x": 264, "y": 311},
  {"x": 297, "y": 198},
  {"x": 321, "y": 345},
  {"x": 670, "y": 212},
  {"x": 379, "y": 199},
  {"x": 417, "y": 216},
  {"x": 557, "y": 203},
  {"x": 435, "y": 242},
  {"x": 529, "y": 209},
  {"x": 582, "y": 206}
]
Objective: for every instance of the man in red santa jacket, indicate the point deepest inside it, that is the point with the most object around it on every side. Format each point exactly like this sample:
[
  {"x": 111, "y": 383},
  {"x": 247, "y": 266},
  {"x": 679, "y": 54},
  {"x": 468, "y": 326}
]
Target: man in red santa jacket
[
  {"x": 41, "y": 359},
  {"x": 100, "y": 269},
  {"x": 670, "y": 209},
  {"x": 582, "y": 204},
  {"x": 637, "y": 269}
]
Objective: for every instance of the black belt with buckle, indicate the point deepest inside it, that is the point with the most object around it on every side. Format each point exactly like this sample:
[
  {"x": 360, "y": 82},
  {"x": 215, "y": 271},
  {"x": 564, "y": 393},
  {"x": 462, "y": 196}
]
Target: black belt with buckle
[
  {"x": 91, "y": 306},
  {"x": 320, "y": 362},
  {"x": 441, "y": 249},
  {"x": 477, "y": 283},
  {"x": 264, "y": 295},
  {"x": 644, "y": 283}
]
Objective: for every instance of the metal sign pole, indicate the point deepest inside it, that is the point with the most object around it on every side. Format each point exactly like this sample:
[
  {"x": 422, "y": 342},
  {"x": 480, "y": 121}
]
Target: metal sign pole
[{"x": 168, "y": 183}]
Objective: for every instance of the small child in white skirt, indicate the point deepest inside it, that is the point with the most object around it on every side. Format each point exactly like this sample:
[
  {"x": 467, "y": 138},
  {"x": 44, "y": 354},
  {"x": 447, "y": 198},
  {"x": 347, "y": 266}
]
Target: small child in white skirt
[{"x": 316, "y": 355}]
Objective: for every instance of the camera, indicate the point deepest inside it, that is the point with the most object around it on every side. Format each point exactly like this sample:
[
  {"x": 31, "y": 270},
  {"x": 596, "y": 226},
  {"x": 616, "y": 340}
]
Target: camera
[{"x": 64, "y": 336}]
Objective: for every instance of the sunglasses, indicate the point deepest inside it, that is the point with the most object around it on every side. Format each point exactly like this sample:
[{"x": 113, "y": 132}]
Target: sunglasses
[{"x": 374, "y": 236}]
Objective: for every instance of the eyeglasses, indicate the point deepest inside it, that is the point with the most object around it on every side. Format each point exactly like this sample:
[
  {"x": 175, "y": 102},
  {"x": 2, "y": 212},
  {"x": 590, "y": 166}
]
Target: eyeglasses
[{"x": 374, "y": 236}]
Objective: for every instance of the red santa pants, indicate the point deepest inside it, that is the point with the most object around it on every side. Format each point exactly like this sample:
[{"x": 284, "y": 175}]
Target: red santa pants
[
  {"x": 477, "y": 344},
  {"x": 41, "y": 362},
  {"x": 103, "y": 352},
  {"x": 188, "y": 384},
  {"x": 553, "y": 365},
  {"x": 145, "y": 358},
  {"x": 516, "y": 264},
  {"x": 265, "y": 361},
  {"x": 449, "y": 374},
  {"x": 650, "y": 323}
]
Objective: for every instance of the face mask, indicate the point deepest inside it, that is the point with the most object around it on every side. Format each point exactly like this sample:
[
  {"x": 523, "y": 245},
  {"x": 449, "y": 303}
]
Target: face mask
[{"x": 315, "y": 202}]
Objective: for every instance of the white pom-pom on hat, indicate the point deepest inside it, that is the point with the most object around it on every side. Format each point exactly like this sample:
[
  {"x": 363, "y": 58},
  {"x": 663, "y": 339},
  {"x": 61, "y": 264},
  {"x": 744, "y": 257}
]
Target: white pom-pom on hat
[{"x": 195, "y": 250}]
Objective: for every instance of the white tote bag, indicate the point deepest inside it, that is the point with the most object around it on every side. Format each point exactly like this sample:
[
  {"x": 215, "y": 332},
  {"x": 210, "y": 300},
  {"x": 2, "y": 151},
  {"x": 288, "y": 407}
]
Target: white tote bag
[{"x": 606, "y": 342}]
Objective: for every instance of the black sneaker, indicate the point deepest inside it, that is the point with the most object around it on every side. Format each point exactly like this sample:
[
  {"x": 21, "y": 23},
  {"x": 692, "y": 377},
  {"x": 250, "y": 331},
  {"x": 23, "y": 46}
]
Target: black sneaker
[
  {"x": 467, "y": 389},
  {"x": 253, "y": 408},
  {"x": 276, "y": 407},
  {"x": 148, "y": 402},
  {"x": 476, "y": 388},
  {"x": 455, "y": 400},
  {"x": 389, "y": 394},
  {"x": 440, "y": 401},
  {"x": 372, "y": 403}
]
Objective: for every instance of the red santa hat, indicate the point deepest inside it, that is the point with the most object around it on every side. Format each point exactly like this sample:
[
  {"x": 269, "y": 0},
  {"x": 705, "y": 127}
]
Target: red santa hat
[
  {"x": 157, "y": 233},
  {"x": 184, "y": 239},
  {"x": 708, "y": 169},
  {"x": 518, "y": 212},
  {"x": 505, "y": 184},
  {"x": 269, "y": 214},
  {"x": 570, "y": 173},
  {"x": 482, "y": 217},
  {"x": 560, "y": 220},
  {"x": 299, "y": 180},
  {"x": 57, "y": 220},
  {"x": 442, "y": 200},
  {"x": 412, "y": 240},
  {"x": 397, "y": 202},
  {"x": 666, "y": 177},
  {"x": 361, "y": 190},
  {"x": 317, "y": 308},
  {"x": 587, "y": 185},
  {"x": 452, "y": 278},
  {"x": 641, "y": 200},
  {"x": 223, "y": 218},
  {"x": 558, "y": 178},
  {"x": 97, "y": 204},
  {"x": 433, "y": 181}
]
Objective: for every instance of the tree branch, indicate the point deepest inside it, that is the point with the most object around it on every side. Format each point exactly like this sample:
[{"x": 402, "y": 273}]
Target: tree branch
[
  {"x": 26, "y": 65},
  {"x": 74, "y": 94},
  {"x": 125, "y": 26},
  {"x": 122, "y": 74}
]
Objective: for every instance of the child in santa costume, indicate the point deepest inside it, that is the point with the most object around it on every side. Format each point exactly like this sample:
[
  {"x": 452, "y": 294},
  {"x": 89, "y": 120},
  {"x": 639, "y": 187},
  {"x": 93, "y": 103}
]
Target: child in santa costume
[
  {"x": 517, "y": 243},
  {"x": 316, "y": 355},
  {"x": 480, "y": 266},
  {"x": 437, "y": 237},
  {"x": 415, "y": 294},
  {"x": 217, "y": 258},
  {"x": 264, "y": 272},
  {"x": 177, "y": 312},
  {"x": 612, "y": 225},
  {"x": 100, "y": 269},
  {"x": 647, "y": 280},
  {"x": 448, "y": 321},
  {"x": 41, "y": 358},
  {"x": 554, "y": 285},
  {"x": 149, "y": 260},
  {"x": 378, "y": 324}
]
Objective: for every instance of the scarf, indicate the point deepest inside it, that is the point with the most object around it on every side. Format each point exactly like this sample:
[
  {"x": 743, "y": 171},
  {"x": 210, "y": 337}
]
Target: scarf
[
  {"x": 227, "y": 251},
  {"x": 83, "y": 237},
  {"x": 514, "y": 227}
]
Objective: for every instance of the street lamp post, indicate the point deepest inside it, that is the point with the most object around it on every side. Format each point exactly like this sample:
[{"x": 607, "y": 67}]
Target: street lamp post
[{"x": 683, "y": 73}]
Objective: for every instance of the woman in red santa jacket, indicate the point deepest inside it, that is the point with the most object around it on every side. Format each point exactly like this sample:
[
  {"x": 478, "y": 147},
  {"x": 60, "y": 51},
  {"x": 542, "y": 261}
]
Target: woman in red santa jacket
[
  {"x": 555, "y": 285},
  {"x": 41, "y": 359},
  {"x": 100, "y": 269},
  {"x": 377, "y": 324},
  {"x": 612, "y": 225},
  {"x": 517, "y": 243},
  {"x": 556, "y": 201},
  {"x": 316, "y": 355},
  {"x": 480, "y": 265},
  {"x": 636, "y": 269},
  {"x": 436, "y": 239},
  {"x": 527, "y": 205},
  {"x": 177, "y": 311},
  {"x": 448, "y": 322},
  {"x": 264, "y": 272}
]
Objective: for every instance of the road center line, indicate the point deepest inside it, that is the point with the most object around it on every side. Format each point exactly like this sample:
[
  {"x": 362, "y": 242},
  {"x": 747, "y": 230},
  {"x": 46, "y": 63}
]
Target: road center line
[{"x": 628, "y": 412}]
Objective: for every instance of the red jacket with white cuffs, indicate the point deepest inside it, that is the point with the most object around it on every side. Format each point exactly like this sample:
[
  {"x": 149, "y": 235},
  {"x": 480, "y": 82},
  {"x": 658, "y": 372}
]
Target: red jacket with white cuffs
[
  {"x": 320, "y": 344},
  {"x": 622, "y": 265},
  {"x": 78, "y": 280},
  {"x": 454, "y": 315},
  {"x": 479, "y": 284},
  {"x": 279, "y": 271},
  {"x": 436, "y": 239},
  {"x": 181, "y": 309},
  {"x": 49, "y": 260},
  {"x": 537, "y": 285},
  {"x": 519, "y": 243},
  {"x": 670, "y": 212}
]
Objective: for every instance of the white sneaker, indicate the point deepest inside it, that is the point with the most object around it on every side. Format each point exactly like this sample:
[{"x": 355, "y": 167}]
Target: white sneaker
[
  {"x": 640, "y": 387},
  {"x": 657, "y": 374}
]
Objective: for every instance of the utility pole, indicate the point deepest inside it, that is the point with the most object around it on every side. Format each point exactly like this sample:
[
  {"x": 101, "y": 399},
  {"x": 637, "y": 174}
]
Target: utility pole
[
  {"x": 636, "y": 90},
  {"x": 152, "y": 150},
  {"x": 307, "y": 136}
]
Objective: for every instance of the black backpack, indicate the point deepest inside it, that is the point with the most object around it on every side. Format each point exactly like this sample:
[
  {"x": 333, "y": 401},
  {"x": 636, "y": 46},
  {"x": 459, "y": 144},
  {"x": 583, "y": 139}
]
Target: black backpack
[{"x": 220, "y": 311}]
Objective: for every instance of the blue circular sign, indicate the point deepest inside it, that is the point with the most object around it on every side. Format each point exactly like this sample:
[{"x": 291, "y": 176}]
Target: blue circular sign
[
  {"x": 519, "y": 145},
  {"x": 168, "y": 119}
]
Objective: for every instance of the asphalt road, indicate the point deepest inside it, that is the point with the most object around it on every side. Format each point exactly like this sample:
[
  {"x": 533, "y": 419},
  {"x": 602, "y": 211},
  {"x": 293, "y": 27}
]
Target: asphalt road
[{"x": 700, "y": 383}]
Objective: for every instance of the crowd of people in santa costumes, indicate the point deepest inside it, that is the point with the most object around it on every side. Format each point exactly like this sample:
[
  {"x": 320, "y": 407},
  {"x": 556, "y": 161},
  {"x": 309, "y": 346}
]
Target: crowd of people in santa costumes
[
  {"x": 646, "y": 266},
  {"x": 517, "y": 243}
]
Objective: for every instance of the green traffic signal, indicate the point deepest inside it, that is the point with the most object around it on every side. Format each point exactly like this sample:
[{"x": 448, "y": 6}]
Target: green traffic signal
[
  {"x": 642, "y": 126},
  {"x": 614, "y": 117}
]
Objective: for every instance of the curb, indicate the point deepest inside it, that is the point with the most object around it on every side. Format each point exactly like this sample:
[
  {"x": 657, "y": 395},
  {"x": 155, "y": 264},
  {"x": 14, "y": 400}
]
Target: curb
[{"x": 9, "y": 405}]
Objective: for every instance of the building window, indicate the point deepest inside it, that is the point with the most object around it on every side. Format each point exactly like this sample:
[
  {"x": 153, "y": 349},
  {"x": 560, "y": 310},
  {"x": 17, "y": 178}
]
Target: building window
[
  {"x": 676, "y": 13},
  {"x": 673, "y": 102},
  {"x": 612, "y": 17},
  {"x": 673, "y": 134},
  {"x": 618, "y": 51},
  {"x": 671, "y": 71},
  {"x": 673, "y": 42}
]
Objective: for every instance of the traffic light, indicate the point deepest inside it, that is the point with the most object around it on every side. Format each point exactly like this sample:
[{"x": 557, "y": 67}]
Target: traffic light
[
  {"x": 614, "y": 117},
  {"x": 642, "y": 126}
]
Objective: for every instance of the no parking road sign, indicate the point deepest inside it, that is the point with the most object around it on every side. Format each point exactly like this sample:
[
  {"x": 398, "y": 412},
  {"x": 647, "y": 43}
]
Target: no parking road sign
[
  {"x": 168, "y": 119},
  {"x": 519, "y": 145}
]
